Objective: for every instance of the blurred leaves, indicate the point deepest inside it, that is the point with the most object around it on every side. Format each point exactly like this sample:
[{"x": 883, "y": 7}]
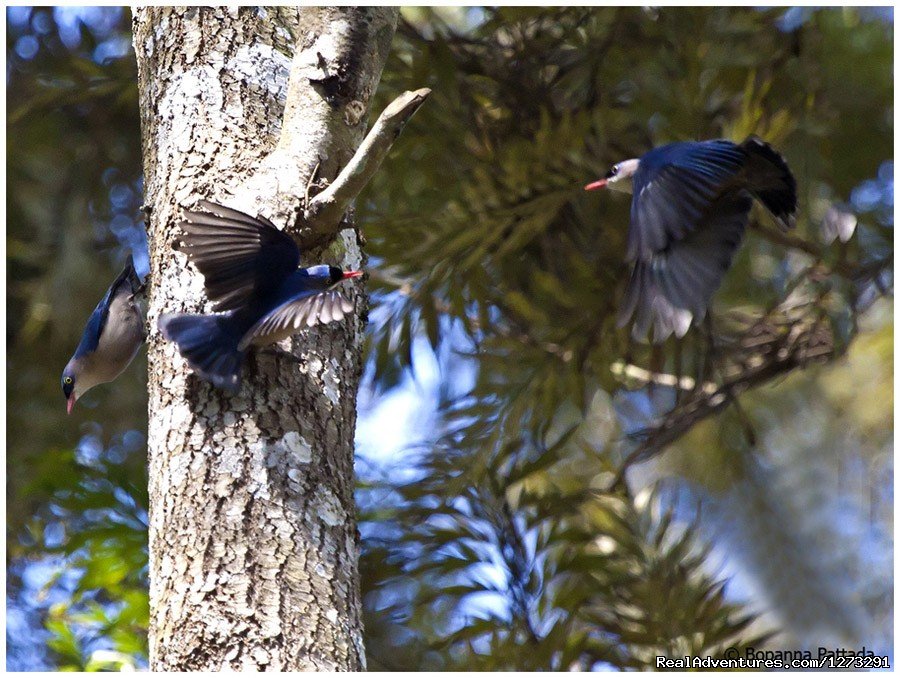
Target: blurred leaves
[
  {"x": 551, "y": 579},
  {"x": 490, "y": 246},
  {"x": 95, "y": 526},
  {"x": 76, "y": 518},
  {"x": 73, "y": 178}
]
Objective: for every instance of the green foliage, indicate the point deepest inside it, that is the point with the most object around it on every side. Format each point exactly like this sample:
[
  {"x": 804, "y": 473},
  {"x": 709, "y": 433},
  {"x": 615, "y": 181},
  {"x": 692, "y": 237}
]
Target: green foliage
[
  {"x": 491, "y": 247},
  {"x": 73, "y": 145},
  {"x": 96, "y": 526},
  {"x": 526, "y": 577},
  {"x": 73, "y": 137},
  {"x": 493, "y": 229}
]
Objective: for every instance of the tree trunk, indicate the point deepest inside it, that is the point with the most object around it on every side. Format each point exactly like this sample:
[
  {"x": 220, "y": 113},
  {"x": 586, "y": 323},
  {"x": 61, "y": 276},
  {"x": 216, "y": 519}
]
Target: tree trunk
[{"x": 253, "y": 539}]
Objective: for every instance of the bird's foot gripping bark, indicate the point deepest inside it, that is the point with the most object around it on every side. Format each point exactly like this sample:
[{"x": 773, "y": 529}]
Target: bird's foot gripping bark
[{"x": 281, "y": 354}]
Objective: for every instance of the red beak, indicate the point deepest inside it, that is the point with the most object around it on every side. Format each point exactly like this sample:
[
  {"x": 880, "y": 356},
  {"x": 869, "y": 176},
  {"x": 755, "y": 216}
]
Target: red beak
[
  {"x": 597, "y": 184},
  {"x": 70, "y": 403},
  {"x": 351, "y": 274}
]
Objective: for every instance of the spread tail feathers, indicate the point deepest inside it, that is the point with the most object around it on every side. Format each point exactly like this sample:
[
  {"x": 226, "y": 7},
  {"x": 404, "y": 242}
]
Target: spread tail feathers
[
  {"x": 771, "y": 181},
  {"x": 209, "y": 345}
]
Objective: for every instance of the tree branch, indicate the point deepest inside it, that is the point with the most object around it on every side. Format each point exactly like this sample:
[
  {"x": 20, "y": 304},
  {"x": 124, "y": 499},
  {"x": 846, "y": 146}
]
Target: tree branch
[
  {"x": 789, "y": 336},
  {"x": 325, "y": 210},
  {"x": 841, "y": 268},
  {"x": 772, "y": 346}
]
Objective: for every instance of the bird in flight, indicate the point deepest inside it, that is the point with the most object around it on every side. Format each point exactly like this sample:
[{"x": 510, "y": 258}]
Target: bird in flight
[
  {"x": 260, "y": 296},
  {"x": 690, "y": 205},
  {"x": 111, "y": 338}
]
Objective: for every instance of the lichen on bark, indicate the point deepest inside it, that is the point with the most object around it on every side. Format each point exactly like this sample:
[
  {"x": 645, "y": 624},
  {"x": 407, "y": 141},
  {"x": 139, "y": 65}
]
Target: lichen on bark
[{"x": 253, "y": 539}]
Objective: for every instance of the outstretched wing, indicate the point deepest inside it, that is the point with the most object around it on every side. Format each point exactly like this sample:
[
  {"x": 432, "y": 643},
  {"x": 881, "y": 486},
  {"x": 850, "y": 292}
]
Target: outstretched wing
[
  {"x": 295, "y": 314},
  {"x": 239, "y": 256},
  {"x": 675, "y": 286},
  {"x": 674, "y": 189}
]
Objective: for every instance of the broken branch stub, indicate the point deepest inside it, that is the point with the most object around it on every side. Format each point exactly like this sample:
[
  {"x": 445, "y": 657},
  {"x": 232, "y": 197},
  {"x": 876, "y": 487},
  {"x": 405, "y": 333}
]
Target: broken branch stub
[{"x": 325, "y": 211}]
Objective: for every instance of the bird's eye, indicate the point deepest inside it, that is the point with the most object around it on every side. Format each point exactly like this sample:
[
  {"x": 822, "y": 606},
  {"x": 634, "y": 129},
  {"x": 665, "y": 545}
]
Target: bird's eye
[
  {"x": 613, "y": 172},
  {"x": 68, "y": 380}
]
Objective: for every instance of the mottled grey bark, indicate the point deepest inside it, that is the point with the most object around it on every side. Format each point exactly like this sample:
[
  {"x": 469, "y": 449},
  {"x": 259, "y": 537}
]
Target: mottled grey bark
[{"x": 253, "y": 540}]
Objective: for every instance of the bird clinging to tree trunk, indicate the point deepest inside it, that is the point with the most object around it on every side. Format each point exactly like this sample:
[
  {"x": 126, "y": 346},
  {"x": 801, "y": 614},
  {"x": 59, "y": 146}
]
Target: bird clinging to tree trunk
[
  {"x": 251, "y": 273},
  {"x": 690, "y": 206},
  {"x": 111, "y": 338}
]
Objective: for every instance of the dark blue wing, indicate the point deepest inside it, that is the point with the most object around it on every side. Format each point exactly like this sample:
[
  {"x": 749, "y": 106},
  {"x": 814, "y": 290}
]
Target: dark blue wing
[
  {"x": 239, "y": 256},
  {"x": 674, "y": 188},
  {"x": 95, "y": 324}
]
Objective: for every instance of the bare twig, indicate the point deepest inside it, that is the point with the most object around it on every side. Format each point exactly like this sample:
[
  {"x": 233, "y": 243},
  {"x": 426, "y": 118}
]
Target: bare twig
[
  {"x": 842, "y": 268},
  {"x": 312, "y": 178},
  {"x": 326, "y": 209},
  {"x": 685, "y": 383},
  {"x": 788, "y": 336}
]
